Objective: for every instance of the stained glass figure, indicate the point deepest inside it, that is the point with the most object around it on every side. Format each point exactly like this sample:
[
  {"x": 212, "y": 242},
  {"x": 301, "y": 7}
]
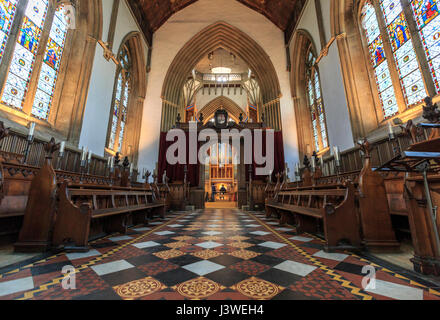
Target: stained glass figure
[
  {"x": 28, "y": 40},
  {"x": 7, "y": 14},
  {"x": 406, "y": 60},
  {"x": 427, "y": 15},
  {"x": 51, "y": 64},
  {"x": 378, "y": 60}
]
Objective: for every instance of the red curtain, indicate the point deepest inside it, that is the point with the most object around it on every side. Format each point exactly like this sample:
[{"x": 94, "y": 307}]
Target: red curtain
[
  {"x": 176, "y": 172},
  {"x": 279, "y": 160}
]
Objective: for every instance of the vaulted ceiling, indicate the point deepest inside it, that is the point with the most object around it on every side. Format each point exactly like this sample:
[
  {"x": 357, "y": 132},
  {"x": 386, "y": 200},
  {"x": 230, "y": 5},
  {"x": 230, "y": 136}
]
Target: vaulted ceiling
[{"x": 152, "y": 14}]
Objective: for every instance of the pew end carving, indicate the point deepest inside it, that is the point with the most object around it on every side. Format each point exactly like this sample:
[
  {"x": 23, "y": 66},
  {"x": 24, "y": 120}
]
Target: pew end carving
[
  {"x": 72, "y": 226},
  {"x": 39, "y": 214},
  {"x": 377, "y": 230}
]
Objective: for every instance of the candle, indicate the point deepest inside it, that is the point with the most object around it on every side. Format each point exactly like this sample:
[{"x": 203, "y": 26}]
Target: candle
[
  {"x": 297, "y": 168},
  {"x": 390, "y": 129},
  {"x": 112, "y": 162},
  {"x": 32, "y": 129},
  {"x": 336, "y": 153},
  {"x": 63, "y": 146},
  {"x": 90, "y": 156},
  {"x": 313, "y": 162},
  {"x": 84, "y": 154},
  {"x": 109, "y": 160},
  {"x": 131, "y": 168},
  {"x": 322, "y": 162}
]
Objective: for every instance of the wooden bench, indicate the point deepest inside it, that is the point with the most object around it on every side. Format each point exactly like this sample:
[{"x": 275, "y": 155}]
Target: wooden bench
[
  {"x": 15, "y": 184},
  {"x": 82, "y": 209},
  {"x": 332, "y": 207}
]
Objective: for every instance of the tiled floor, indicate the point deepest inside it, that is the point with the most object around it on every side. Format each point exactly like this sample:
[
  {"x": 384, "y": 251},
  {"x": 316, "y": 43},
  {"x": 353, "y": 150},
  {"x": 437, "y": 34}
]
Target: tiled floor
[{"x": 216, "y": 254}]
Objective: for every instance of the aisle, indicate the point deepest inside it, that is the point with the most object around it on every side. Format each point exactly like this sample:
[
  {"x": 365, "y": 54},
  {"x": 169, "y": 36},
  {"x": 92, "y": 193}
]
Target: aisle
[{"x": 215, "y": 254}]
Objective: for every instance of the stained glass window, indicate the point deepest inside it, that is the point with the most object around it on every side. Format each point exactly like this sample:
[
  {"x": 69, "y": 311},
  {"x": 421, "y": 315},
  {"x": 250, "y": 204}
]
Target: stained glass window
[
  {"x": 317, "y": 112},
  {"x": 28, "y": 40},
  {"x": 427, "y": 16},
  {"x": 7, "y": 14},
  {"x": 120, "y": 103},
  {"x": 378, "y": 60},
  {"x": 403, "y": 49},
  {"x": 50, "y": 67}
]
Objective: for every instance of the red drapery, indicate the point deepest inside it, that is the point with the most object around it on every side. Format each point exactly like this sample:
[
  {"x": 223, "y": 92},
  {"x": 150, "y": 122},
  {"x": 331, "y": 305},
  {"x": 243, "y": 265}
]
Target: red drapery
[
  {"x": 176, "y": 172},
  {"x": 279, "y": 160}
]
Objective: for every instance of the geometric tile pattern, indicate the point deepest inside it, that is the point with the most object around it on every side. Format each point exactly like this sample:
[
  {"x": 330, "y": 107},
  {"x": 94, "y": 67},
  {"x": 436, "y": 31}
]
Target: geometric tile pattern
[{"x": 216, "y": 254}]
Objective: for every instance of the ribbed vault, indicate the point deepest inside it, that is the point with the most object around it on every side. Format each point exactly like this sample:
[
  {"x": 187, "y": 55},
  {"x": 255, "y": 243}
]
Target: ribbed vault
[
  {"x": 224, "y": 103},
  {"x": 221, "y": 35}
]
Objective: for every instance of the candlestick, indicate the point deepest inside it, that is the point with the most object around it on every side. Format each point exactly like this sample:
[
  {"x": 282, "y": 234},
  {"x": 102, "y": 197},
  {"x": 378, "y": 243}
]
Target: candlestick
[
  {"x": 62, "y": 147},
  {"x": 390, "y": 131},
  {"x": 32, "y": 129},
  {"x": 336, "y": 153}
]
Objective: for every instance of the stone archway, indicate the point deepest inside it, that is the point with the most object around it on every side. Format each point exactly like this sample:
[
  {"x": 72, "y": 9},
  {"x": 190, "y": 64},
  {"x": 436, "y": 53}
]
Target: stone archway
[
  {"x": 345, "y": 28},
  {"x": 221, "y": 35},
  {"x": 225, "y": 103},
  {"x": 301, "y": 41},
  {"x": 133, "y": 42}
]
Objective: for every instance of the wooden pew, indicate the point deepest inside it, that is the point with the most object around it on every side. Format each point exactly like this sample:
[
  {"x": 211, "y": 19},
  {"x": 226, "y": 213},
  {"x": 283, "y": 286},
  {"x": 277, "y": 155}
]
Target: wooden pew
[
  {"x": 377, "y": 228},
  {"x": 40, "y": 208},
  {"x": 425, "y": 227},
  {"x": 309, "y": 207},
  {"x": 111, "y": 208},
  {"x": 371, "y": 203},
  {"x": 15, "y": 185},
  {"x": 426, "y": 258},
  {"x": 258, "y": 194}
]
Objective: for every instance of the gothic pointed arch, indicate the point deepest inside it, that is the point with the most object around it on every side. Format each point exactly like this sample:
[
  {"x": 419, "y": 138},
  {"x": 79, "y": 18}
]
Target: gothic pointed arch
[
  {"x": 221, "y": 35},
  {"x": 124, "y": 127},
  {"x": 221, "y": 102},
  {"x": 307, "y": 96}
]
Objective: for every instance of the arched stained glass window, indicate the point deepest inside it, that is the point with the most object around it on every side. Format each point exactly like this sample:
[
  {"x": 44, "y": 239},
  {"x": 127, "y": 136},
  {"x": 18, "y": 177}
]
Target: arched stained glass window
[
  {"x": 404, "y": 53},
  {"x": 378, "y": 59},
  {"x": 427, "y": 14},
  {"x": 394, "y": 31},
  {"x": 120, "y": 102},
  {"x": 22, "y": 64},
  {"x": 50, "y": 67},
  {"x": 24, "y": 60},
  {"x": 7, "y": 14},
  {"x": 316, "y": 104}
]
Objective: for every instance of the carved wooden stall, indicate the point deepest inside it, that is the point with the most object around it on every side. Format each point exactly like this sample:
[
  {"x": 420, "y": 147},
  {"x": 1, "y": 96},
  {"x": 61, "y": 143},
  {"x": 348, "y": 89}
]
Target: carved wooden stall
[
  {"x": 29, "y": 202},
  {"x": 314, "y": 209}
]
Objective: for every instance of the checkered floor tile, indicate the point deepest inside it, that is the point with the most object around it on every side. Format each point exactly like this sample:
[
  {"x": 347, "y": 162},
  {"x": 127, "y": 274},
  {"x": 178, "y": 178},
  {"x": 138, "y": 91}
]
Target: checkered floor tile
[{"x": 211, "y": 254}]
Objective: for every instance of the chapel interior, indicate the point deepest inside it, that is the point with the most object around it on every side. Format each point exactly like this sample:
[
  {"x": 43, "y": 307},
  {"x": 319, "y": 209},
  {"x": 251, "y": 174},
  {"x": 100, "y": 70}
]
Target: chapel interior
[{"x": 92, "y": 90}]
